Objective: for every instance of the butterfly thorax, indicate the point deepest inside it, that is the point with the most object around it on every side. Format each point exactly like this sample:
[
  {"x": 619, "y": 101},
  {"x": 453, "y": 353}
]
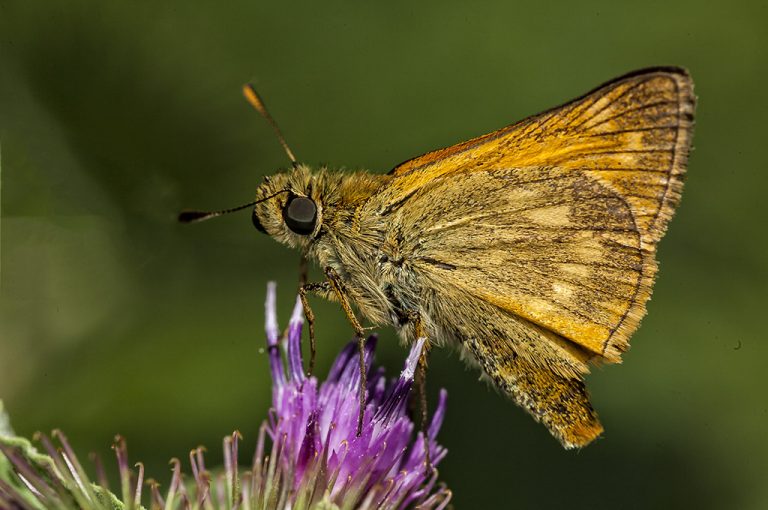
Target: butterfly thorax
[{"x": 345, "y": 239}]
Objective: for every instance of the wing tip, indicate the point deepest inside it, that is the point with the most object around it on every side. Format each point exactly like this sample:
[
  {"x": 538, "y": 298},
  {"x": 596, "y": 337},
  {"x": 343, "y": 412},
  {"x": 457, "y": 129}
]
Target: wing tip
[{"x": 680, "y": 73}]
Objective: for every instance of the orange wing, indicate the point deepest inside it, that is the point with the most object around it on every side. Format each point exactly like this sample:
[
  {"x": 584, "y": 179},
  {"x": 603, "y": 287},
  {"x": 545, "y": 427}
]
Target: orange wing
[{"x": 608, "y": 165}]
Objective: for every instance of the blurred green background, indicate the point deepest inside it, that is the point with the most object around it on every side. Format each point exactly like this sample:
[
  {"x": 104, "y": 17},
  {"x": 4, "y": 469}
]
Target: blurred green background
[{"x": 116, "y": 115}]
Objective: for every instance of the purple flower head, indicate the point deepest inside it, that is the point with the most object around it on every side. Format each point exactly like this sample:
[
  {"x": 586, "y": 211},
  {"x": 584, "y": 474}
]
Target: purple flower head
[
  {"x": 317, "y": 460},
  {"x": 313, "y": 428}
]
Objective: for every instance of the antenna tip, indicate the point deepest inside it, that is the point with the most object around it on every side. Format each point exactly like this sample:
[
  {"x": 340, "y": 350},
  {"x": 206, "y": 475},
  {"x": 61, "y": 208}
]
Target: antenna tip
[
  {"x": 249, "y": 91},
  {"x": 192, "y": 216}
]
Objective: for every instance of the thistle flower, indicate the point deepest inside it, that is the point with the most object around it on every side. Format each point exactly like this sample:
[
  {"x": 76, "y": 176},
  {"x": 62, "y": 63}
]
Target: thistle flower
[
  {"x": 314, "y": 430},
  {"x": 316, "y": 459}
]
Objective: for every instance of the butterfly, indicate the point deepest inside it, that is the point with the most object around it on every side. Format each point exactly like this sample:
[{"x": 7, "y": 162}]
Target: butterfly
[{"x": 531, "y": 250}]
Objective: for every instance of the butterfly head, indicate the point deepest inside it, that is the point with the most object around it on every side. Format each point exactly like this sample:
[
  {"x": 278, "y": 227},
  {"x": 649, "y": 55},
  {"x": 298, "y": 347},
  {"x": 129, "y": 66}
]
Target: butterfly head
[{"x": 288, "y": 207}]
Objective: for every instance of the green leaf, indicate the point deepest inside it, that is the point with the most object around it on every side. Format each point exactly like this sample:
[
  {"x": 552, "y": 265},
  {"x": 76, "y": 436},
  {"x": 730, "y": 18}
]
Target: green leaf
[{"x": 47, "y": 472}]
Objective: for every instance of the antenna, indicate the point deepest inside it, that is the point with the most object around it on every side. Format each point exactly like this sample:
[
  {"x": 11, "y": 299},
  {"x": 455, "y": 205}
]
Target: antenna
[
  {"x": 255, "y": 100},
  {"x": 195, "y": 216}
]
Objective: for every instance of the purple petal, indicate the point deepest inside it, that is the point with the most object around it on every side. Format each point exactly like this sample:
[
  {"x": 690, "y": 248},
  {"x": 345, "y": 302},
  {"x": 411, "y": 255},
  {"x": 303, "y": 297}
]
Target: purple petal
[
  {"x": 310, "y": 445},
  {"x": 437, "y": 418},
  {"x": 275, "y": 362},
  {"x": 271, "y": 314},
  {"x": 413, "y": 359},
  {"x": 395, "y": 403},
  {"x": 349, "y": 375},
  {"x": 341, "y": 361},
  {"x": 295, "y": 366}
]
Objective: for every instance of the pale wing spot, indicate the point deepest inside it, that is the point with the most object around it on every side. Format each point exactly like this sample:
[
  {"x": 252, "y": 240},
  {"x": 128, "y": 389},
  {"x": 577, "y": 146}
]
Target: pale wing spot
[
  {"x": 554, "y": 216},
  {"x": 562, "y": 290},
  {"x": 520, "y": 195},
  {"x": 576, "y": 269},
  {"x": 540, "y": 307},
  {"x": 589, "y": 252}
]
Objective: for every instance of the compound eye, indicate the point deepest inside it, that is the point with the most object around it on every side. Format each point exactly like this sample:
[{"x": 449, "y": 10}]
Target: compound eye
[
  {"x": 300, "y": 214},
  {"x": 257, "y": 222}
]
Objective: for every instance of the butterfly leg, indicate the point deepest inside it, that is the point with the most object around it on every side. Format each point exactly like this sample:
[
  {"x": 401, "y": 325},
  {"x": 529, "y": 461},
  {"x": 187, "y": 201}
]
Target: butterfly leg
[
  {"x": 338, "y": 287},
  {"x": 423, "y": 405},
  {"x": 319, "y": 288},
  {"x": 421, "y": 382},
  {"x": 303, "y": 270}
]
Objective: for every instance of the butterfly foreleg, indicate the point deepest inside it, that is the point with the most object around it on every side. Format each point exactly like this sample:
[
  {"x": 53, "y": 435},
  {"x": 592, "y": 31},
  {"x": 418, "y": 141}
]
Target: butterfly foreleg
[
  {"x": 303, "y": 270},
  {"x": 318, "y": 288},
  {"x": 338, "y": 288}
]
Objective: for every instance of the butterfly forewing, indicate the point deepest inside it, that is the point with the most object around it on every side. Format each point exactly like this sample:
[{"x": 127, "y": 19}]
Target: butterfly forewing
[{"x": 556, "y": 218}]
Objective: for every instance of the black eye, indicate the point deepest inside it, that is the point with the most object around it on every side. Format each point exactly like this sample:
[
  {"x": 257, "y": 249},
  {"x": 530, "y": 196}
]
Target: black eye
[
  {"x": 300, "y": 214},
  {"x": 257, "y": 222}
]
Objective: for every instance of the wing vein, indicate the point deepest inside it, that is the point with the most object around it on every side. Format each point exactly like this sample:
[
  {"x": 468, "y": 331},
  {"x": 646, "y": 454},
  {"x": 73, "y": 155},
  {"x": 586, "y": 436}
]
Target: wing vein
[
  {"x": 632, "y": 110},
  {"x": 610, "y": 102}
]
